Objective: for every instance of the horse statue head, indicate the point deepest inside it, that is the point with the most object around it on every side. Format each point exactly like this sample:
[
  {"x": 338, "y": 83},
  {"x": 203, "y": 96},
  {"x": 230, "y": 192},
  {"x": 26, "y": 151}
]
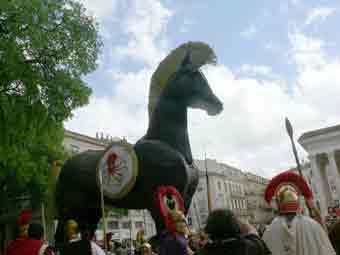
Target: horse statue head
[
  {"x": 190, "y": 88},
  {"x": 178, "y": 77}
]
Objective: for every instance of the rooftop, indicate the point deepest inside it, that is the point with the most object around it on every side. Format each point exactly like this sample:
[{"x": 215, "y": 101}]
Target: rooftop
[
  {"x": 318, "y": 132},
  {"x": 89, "y": 139}
]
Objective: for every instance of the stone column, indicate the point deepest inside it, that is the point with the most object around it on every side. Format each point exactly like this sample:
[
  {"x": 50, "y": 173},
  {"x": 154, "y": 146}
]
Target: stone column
[
  {"x": 333, "y": 171},
  {"x": 323, "y": 193}
]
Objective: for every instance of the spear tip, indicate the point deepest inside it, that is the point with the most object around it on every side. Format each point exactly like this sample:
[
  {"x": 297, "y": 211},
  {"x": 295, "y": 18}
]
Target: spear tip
[{"x": 289, "y": 127}]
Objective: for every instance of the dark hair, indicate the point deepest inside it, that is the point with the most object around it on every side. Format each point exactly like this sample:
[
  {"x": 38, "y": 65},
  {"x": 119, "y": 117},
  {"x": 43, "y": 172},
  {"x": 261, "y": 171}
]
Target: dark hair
[
  {"x": 222, "y": 224},
  {"x": 35, "y": 231}
]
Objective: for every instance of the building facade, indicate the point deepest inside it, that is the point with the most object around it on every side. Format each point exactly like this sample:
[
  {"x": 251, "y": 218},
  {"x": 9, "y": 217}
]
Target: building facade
[
  {"x": 227, "y": 190},
  {"x": 323, "y": 148},
  {"x": 258, "y": 210}
]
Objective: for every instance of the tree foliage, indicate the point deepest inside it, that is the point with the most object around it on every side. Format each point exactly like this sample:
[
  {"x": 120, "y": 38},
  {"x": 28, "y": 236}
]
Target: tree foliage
[{"x": 46, "y": 46}]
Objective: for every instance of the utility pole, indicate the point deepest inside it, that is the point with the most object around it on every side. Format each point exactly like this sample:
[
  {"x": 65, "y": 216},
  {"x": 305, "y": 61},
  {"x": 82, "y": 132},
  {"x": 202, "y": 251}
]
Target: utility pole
[
  {"x": 197, "y": 213},
  {"x": 208, "y": 183},
  {"x": 144, "y": 216}
]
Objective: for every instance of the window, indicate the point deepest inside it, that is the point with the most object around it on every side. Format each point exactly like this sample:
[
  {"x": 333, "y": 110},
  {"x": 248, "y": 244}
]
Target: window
[
  {"x": 189, "y": 221},
  {"x": 225, "y": 187},
  {"x": 139, "y": 224},
  {"x": 219, "y": 186},
  {"x": 74, "y": 148},
  {"x": 126, "y": 225},
  {"x": 113, "y": 225}
]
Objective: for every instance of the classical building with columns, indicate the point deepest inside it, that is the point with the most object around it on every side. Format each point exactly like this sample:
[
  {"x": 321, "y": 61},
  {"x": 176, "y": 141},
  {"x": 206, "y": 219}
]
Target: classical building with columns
[{"x": 323, "y": 148}]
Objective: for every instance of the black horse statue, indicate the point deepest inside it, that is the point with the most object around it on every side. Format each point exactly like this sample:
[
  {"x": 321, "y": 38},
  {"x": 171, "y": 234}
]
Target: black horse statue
[{"x": 164, "y": 153}]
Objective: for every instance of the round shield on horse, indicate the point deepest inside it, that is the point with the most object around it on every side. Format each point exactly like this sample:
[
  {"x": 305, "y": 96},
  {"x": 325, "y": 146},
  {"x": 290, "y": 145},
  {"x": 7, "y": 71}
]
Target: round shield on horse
[{"x": 117, "y": 170}]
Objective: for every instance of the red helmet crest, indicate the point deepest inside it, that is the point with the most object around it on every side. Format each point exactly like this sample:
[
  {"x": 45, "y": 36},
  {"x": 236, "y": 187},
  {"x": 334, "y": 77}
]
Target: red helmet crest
[
  {"x": 283, "y": 186},
  {"x": 168, "y": 201}
]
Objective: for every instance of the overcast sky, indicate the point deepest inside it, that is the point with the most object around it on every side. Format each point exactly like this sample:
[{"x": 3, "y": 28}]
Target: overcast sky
[{"x": 275, "y": 59}]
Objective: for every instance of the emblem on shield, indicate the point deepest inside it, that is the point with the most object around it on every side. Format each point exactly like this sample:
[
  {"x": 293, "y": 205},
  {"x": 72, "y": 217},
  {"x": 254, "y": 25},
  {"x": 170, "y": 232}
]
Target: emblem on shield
[{"x": 117, "y": 170}]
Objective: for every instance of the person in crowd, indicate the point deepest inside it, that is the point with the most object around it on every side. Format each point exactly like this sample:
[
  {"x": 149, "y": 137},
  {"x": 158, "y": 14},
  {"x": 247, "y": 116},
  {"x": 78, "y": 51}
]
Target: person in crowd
[
  {"x": 140, "y": 240},
  {"x": 146, "y": 249},
  {"x": 21, "y": 243},
  {"x": 203, "y": 239},
  {"x": 334, "y": 236},
  {"x": 193, "y": 240},
  {"x": 35, "y": 235},
  {"x": 117, "y": 248},
  {"x": 109, "y": 243},
  {"x": 291, "y": 232},
  {"x": 77, "y": 245},
  {"x": 261, "y": 229},
  {"x": 174, "y": 241},
  {"x": 228, "y": 236},
  {"x": 29, "y": 241}
]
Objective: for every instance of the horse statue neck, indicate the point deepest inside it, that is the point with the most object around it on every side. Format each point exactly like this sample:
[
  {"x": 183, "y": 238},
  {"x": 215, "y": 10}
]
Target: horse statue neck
[{"x": 169, "y": 124}]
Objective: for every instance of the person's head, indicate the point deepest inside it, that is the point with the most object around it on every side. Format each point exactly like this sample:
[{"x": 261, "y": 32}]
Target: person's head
[
  {"x": 179, "y": 222},
  {"x": 288, "y": 200},
  {"x": 222, "y": 224},
  {"x": 146, "y": 249},
  {"x": 140, "y": 236},
  {"x": 117, "y": 245},
  {"x": 71, "y": 229},
  {"x": 23, "y": 223},
  {"x": 35, "y": 231}
]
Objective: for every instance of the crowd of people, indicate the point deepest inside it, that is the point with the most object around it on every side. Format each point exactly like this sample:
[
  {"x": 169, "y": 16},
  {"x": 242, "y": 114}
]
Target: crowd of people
[
  {"x": 224, "y": 234},
  {"x": 290, "y": 233}
]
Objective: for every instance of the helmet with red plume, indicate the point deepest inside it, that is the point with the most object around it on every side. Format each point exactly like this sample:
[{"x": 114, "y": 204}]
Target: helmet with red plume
[
  {"x": 170, "y": 204},
  {"x": 285, "y": 188},
  {"x": 23, "y": 222}
]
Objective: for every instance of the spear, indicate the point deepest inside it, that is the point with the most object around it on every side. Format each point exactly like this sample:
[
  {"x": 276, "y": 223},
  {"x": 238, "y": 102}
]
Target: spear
[{"x": 289, "y": 129}]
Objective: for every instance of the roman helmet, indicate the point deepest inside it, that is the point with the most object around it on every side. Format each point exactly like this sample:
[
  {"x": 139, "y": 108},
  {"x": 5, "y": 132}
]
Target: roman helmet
[
  {"x": 171, "y": 205},
  {"x": 285, "y": 190},
  {"x": 23, "y": 222},
  {"x": 71, "y": 229}
]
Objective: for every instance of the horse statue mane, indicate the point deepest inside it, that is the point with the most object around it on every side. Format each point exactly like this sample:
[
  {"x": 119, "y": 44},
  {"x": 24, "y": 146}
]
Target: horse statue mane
[{"x": 200, "y": 55}]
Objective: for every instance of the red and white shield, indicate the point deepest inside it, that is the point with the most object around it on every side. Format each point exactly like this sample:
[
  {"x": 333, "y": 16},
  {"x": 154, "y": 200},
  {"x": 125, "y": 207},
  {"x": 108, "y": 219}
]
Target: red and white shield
[{"x": 117, "y": 170}]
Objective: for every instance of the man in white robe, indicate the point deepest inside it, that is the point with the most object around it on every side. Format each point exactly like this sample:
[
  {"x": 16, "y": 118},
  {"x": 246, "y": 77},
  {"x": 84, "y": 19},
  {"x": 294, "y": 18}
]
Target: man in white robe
[
  {"x": 297, "y": 235},
  {"x": 292, "y": 233}
]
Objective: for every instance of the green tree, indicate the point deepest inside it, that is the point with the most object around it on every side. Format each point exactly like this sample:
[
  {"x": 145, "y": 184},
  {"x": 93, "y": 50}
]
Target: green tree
[{"x": 46, "y": 46}]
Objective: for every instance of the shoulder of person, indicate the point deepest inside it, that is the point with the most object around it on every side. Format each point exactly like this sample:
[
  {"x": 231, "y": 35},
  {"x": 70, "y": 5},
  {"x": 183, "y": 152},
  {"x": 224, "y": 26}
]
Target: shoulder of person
[
  {"x": 46, "y": 249},
  {"x": 96, "y": 250},
  {"x": 255, "y": 245}
]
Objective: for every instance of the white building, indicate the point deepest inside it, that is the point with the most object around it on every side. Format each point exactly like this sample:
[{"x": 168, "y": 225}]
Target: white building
[
  {"x": 227, "y": 190},
  {"x": 258, "y": 210},
  {"x": 126, "y": 227},
  {"x": 323, "y": 147}
]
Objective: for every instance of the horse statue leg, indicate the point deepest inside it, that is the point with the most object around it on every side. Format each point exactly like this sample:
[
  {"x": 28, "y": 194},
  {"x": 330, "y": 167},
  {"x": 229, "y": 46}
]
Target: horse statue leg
[{"x": 193, "y": 180}]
